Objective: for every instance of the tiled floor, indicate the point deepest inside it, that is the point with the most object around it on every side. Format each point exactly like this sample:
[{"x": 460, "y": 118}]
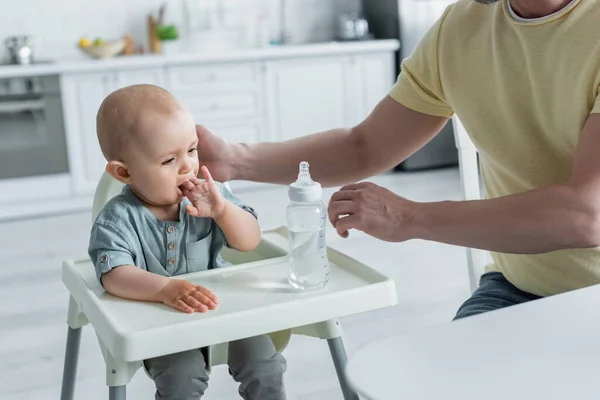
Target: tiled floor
[{"x": 431, "y": 280}]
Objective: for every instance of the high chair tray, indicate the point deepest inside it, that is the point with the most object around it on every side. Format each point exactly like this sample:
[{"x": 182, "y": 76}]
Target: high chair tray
[{"x": 254, "y": 298}]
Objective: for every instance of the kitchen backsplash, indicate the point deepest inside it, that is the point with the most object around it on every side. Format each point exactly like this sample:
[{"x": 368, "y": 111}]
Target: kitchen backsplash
[{"x": 57, "y": 25}]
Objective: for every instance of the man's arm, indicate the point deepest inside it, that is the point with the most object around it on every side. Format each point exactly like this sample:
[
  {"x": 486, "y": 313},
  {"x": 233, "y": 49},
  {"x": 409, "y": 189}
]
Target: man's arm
[
  {"x": 390, "y": 134},
  {"x": 550, "y": 218},
  {"x": 545, "y": 219}
]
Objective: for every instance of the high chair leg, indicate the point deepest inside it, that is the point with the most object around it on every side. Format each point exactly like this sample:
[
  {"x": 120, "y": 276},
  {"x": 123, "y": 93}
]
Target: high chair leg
[
  {"x": 117, "y": 393},
  {"x": 70, "y": 367},
  {"x": 338, "y": 354}
]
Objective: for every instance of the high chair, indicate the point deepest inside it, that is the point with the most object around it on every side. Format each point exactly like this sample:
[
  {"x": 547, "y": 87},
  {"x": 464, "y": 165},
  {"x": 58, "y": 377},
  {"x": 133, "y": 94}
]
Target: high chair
[
  {"x": 469, "y": 178},
  {"x": 255, "y": 299}
]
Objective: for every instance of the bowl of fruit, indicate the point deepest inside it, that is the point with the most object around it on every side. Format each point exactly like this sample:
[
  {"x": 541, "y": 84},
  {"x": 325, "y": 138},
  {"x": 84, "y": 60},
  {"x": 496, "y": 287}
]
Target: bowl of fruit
[{"x": 100, "y": 48}]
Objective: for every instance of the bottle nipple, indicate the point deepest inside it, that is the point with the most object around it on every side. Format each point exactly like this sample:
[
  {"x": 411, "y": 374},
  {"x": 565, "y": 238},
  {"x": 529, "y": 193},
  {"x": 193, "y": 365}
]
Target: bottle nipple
[{"x": 304, "y": 174}]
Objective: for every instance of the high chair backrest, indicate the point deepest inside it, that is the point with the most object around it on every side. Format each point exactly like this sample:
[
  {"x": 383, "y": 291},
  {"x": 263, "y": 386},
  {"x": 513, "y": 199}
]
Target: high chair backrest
[{"x": 108, "y": 187}]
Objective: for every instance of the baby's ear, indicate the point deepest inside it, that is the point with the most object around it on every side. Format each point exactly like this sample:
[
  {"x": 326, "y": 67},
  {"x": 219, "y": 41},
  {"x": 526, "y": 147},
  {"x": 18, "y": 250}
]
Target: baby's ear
[{"x": 119, "y": 171}]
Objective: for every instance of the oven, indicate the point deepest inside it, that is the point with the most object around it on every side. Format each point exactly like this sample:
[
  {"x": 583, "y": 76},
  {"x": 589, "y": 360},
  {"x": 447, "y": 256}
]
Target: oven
[{"x": 32, "y": 133}]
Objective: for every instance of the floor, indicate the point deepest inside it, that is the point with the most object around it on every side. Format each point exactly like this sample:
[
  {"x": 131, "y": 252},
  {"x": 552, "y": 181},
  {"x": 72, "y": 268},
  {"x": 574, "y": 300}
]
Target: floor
[{"x": 431, "y": 280}]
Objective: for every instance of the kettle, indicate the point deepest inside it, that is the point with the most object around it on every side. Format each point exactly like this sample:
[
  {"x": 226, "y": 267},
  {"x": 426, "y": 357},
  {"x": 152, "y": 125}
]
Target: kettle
[
  {"x": 352, "y": 27},
  {"x": 19, "y": 49}
]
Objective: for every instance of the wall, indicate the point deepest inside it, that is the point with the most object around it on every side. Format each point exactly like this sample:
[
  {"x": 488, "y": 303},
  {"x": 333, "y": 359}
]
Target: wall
[{"x": 57, "y": 25}]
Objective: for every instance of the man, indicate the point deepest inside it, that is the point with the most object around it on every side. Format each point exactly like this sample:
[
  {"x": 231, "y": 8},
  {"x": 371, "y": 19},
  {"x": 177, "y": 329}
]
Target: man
[{"x": 523, "y": 76}]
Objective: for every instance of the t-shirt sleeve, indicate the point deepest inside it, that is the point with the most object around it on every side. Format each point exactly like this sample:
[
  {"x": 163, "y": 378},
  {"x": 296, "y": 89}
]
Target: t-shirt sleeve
[
  {"x": 228, "y": 195},
  {"x": 108, "y": 249},
  {"x": 418, "y": 86}
]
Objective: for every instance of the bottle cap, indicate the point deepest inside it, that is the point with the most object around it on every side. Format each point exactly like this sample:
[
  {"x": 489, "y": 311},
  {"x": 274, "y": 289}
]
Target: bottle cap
[{"x": 304, "y": 189}]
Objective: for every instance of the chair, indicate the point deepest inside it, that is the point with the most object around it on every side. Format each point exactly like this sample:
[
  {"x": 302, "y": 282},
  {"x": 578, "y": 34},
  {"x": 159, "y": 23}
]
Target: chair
[
  {"x": 346, "y": 296},
  {"x": 108, "y": 187},
  {"x": 469, "y": 177}
]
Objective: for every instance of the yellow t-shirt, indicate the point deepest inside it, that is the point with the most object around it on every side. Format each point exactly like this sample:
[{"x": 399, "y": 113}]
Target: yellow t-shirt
[{"x": 523, "y": 90}]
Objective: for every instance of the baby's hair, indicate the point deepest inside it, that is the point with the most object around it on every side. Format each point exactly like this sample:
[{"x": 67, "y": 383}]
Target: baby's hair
[{"x": 123, "y": 112}]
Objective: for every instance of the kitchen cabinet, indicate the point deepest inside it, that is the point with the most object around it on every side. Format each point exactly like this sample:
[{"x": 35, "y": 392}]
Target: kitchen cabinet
[
  {"x": 82, "y": 95},
  {"x": 321, "y": 93},
  {"x": 307, "y": 95},
  {"x": 153, "y": 76},
  {"x": 238, "y": 131},
  {"x": 374, "y": 77},
  {"x": 210, "y": 78}
]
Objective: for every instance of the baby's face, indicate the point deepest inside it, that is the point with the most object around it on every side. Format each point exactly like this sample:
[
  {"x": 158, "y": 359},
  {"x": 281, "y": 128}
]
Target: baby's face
[{"x": 162, "y": 158}]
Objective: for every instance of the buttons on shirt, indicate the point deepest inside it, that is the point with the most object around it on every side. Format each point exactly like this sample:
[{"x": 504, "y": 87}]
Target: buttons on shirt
[
  {"x": 103, "y": 258},
  {"x": 171, "y": 261},
  {"x": 171, "y": 245},
  {"x": 170, "y": 229}
]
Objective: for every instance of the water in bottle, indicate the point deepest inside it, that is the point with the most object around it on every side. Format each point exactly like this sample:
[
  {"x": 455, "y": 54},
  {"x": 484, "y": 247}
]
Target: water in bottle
[{"x": 306, "y": 221}]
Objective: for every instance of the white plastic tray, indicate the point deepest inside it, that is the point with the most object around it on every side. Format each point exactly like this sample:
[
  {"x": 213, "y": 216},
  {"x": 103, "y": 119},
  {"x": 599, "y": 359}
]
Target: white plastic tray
[{"x": 254, "y": 298}]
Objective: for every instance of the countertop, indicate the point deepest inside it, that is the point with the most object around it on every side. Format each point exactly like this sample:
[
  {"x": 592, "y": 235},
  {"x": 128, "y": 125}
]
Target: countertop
[{"x": 148, "y": 61}]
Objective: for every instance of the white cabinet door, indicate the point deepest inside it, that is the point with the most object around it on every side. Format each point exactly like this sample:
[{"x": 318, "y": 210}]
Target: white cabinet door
[
  {"x": 307, "y": 95},
  {"x": 82, "y": 95},
  {"x": 152, "y": 76},
  {"x": 374, "y": 79},
  {"x": 237, "y": 131}
]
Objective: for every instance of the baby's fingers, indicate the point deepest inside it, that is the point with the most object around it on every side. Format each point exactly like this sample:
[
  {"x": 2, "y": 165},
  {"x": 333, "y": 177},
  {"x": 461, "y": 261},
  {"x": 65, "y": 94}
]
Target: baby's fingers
[
  {"x": 207, "y": 293},
  {"x": 189, "y": 185},
  {"x": 197, "y": 305},
  {"x": 193, "y": 211},
  {"x": 205, "y": 300},
  {"x": 207, "y": 176},
  {"x": 181, "y": 306}
]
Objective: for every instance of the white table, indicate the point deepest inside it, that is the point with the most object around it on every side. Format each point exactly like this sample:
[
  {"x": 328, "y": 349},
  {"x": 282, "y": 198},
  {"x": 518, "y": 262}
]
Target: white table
[
  {"x": 545, "y": 349},
  {"x": 254, "y": 298}
]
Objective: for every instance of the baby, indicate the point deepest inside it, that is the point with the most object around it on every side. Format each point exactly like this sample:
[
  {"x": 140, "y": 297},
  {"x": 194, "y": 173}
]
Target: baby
[{"x": 167, "y": 222}]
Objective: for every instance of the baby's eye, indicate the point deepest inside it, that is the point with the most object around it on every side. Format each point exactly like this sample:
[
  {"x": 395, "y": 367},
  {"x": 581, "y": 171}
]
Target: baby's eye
[
  {"x": 169, "y": 161},
  {"x": 192, "y": 150}
]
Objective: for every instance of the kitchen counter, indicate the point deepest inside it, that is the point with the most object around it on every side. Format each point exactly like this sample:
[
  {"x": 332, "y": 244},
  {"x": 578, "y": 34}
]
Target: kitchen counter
[{"x": 137, "y": 61}]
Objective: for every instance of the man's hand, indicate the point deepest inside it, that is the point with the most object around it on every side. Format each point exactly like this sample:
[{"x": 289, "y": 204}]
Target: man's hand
[
  {"x": 187, "y": 297},
  {"x": 215, "y": 153},
  {"x": 373, "y": 210},
  {"x": 206, "y": 199}
]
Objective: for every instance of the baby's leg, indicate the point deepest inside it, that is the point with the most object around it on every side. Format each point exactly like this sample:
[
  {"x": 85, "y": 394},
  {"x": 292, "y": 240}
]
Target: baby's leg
[
  {"x": 179, "y": 376},
  {"x": 259, "y": 369}
]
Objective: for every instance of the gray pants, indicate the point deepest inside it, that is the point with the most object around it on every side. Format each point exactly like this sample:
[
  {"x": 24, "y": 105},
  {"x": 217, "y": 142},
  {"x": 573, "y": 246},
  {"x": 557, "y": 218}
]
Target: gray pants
[{"x": 253, "y": 363}]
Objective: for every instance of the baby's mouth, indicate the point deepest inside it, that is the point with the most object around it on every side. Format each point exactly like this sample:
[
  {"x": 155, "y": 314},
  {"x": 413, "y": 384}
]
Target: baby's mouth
[{"x": 181, "y": 187}]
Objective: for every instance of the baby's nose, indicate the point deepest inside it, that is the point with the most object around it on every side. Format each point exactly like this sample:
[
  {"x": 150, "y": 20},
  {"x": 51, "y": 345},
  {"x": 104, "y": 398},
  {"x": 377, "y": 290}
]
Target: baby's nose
[{"x": 187, "y": 166}]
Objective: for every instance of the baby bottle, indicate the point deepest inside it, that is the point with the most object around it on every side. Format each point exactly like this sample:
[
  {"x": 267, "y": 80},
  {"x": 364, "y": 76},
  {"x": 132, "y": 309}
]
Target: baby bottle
[{"x": 306, "y": 217}]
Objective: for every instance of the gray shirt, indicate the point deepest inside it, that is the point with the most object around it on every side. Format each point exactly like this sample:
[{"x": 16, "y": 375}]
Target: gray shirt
[{"x": 127, "y": 233}]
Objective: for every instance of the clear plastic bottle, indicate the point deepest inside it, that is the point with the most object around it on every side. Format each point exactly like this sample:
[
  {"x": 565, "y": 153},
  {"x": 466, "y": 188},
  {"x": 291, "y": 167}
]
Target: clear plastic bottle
[{"x": 306, "y": 217}]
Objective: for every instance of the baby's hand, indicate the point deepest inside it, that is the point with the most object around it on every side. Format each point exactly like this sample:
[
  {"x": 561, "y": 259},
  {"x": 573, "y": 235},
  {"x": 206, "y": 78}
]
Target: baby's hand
[
  {"x": 187, "y": 297},
  {"x": 206, "y": 199}
]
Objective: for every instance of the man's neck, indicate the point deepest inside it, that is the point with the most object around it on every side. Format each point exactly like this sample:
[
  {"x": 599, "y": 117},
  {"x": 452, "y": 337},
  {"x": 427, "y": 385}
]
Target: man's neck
[{"x": 537, "y": 8}]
